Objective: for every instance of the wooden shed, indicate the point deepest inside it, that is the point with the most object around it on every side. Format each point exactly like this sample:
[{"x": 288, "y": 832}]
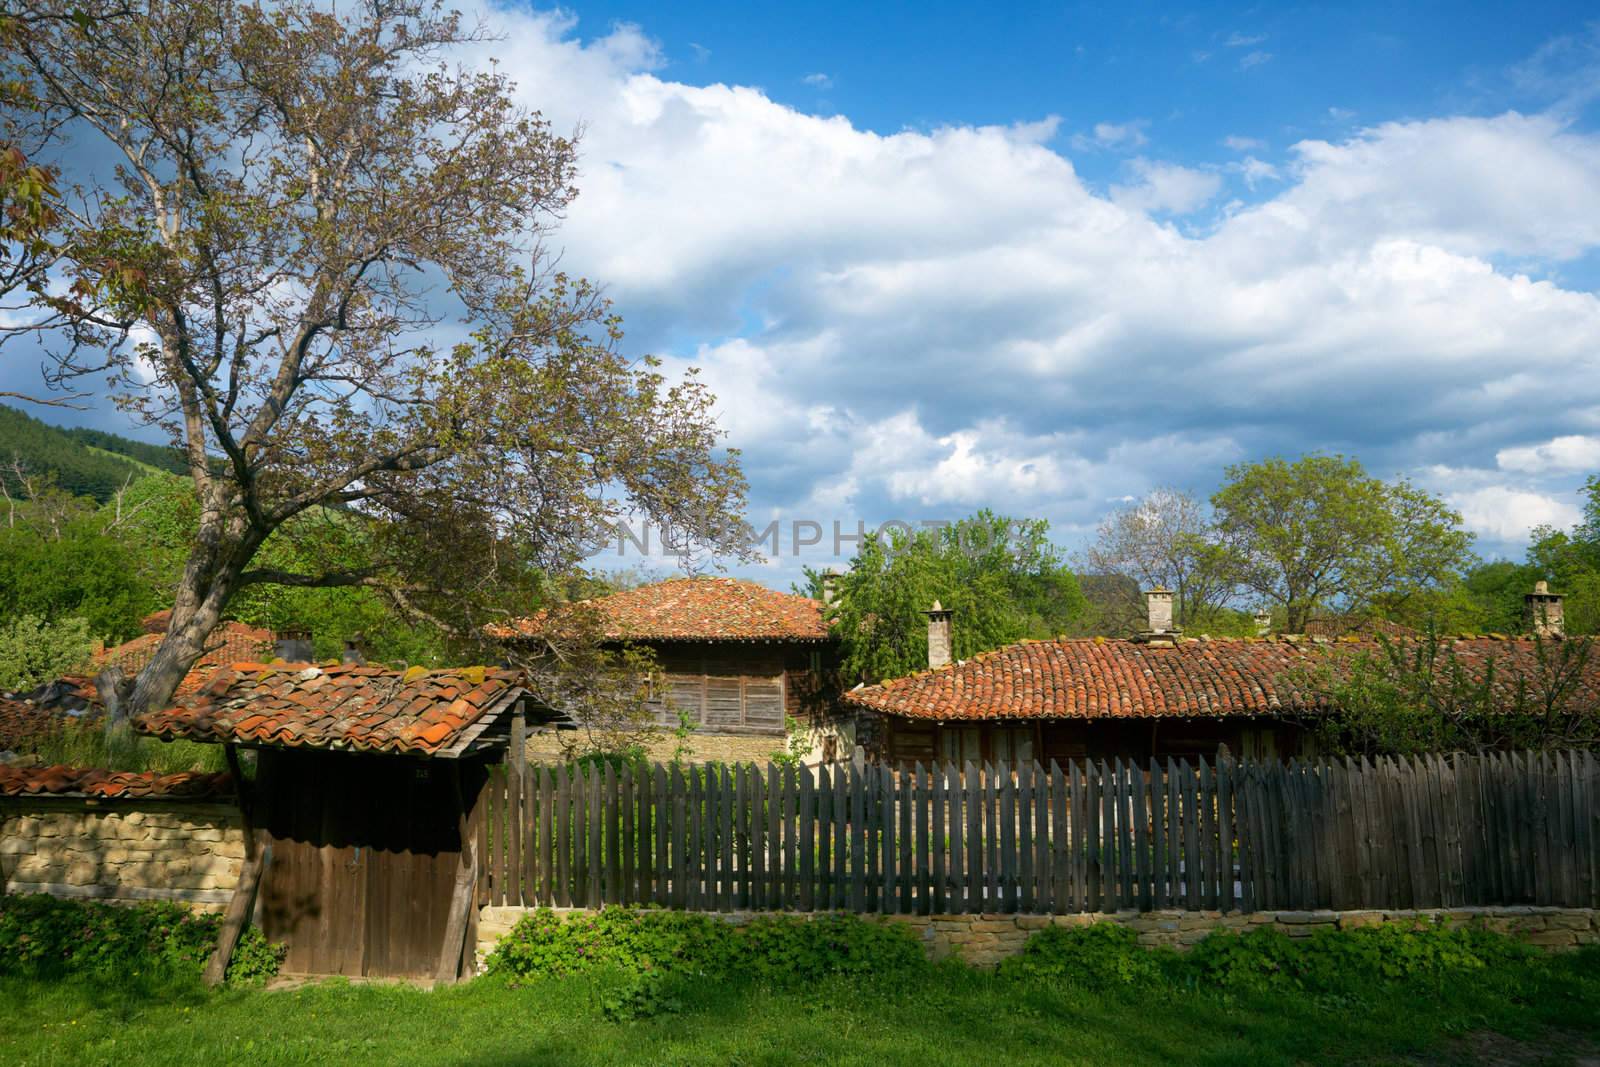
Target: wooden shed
[{"x": 361, "y": 815}]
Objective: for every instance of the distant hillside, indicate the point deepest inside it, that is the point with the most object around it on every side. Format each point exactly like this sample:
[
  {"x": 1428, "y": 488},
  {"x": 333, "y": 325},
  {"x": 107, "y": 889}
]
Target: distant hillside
[
  {"x": 85, "y": 462},
  {"x": 161, "y": 457}
]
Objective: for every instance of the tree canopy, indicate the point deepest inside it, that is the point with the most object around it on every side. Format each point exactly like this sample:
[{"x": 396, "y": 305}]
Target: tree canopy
[
  {"x": 328, "y": 246},
  {"x": 1321, "y": 533},
  {"x": 1002, "y": 577}
]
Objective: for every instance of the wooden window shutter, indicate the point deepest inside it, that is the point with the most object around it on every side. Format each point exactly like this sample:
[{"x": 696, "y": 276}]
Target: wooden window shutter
[{"x": 763, "y": 703}]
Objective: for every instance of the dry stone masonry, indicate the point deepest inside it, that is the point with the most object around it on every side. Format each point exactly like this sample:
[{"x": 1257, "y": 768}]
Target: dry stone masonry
[
  {"x": 985, "y": 940},
  {"x": 153, "y": 851}
]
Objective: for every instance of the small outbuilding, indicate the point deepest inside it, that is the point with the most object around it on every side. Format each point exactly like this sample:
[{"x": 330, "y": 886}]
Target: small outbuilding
[{"x": 362, "y": 812}]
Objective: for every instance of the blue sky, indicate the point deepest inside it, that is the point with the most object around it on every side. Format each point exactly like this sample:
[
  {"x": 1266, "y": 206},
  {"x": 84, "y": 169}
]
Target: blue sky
[{"x": 1047, "y": 259}]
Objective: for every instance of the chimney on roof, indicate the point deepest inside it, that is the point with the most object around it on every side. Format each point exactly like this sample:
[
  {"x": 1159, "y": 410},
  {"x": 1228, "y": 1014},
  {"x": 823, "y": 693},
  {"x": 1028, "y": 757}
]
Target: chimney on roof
[
  {"x": 938, "y": 635},
  {"x": 1158, "y": 618},
  {"x": 830, "y": 587},
  {"x": 292, "y": 646},
  {"x": 1263, "y": 622},
  {"x": 352, "y": 651},
  {"x": 1543, "y": 610}
]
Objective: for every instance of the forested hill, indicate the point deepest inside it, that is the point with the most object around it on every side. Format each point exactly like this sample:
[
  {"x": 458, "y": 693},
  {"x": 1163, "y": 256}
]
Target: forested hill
[{"x": 84, "y": 462}]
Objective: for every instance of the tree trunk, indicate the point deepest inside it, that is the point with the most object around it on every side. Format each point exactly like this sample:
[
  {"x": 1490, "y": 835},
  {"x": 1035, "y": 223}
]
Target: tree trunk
[{"x": 210, "y": 579}]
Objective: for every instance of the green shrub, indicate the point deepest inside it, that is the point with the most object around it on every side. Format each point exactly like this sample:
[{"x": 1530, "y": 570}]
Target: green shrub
[
  {"x": 778, "y": 950},
  {"x": 255, "y": 959},
  {"x": 33, "y": 651},
  {"x": 41, "y": 935},
  {"x": 1339, "y": 960},
  {"x": 1098, "y": 957},
  {"x": 1108, "y": 956},
  {"x": 783, "y": 950}
]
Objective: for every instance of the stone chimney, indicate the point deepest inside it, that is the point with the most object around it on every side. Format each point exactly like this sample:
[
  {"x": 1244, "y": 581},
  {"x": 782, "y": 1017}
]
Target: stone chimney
[
  {"x": 352, "y": 651},
  {"x": 292, "y": 646},
  {"x": 938, "y": 635},
  {"x": 1263, "y": 622},
  {"x": 1543, "y": 611},
  {"x": 1158, "y": 611},
  {"x": 830, "y": 587},
  {"x": 1158, "y": 627}
]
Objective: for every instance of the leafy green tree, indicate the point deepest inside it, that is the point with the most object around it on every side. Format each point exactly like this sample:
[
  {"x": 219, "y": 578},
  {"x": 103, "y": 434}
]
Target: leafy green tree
[
  {"x": 83, "y": 574},
  {"x": 1409, "y": 697},
  {"x": 1321, "y": 533},
  {"x": 302, "y": 195},
  {"x": 1002, "y": 577},
  {"x": 33, "y": 651},
  {"x": 1570, "y": 561}
]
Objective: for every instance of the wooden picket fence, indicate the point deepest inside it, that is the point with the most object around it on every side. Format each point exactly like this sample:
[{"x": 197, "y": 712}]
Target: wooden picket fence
[{"x": 1084, "y": 837}]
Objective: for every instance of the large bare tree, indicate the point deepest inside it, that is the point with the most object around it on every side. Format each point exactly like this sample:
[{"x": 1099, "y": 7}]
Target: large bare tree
[
  {"x": 318, "y": 262},
  {"x": 1165, "y": 539}
]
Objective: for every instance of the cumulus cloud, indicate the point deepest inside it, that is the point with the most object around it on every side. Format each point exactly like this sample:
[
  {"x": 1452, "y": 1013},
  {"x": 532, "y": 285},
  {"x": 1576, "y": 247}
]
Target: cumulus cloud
[
  {"x": 1243, "y": 144},
  {"x": 1571, "y": 453},
  {"x": 818, "y": 81},
  {"x": 946, "y": 317},
  {"x": 1165, "y": 188},
  {"x": 1510, "y": 514}
]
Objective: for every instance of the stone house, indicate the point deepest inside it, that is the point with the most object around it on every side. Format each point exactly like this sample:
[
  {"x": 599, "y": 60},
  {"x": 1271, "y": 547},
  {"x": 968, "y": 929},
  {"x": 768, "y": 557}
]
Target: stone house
[{"x": 741, "y": 660}]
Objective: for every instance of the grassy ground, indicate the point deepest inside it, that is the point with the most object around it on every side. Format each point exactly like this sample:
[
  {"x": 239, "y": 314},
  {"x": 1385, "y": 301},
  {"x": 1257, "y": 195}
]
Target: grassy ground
[{"x": 1550, "y": 1012}]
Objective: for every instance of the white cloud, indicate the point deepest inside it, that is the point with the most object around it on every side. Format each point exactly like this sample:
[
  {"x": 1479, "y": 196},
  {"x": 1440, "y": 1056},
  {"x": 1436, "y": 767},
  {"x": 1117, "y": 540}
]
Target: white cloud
[
  {"x": 818, "y": 81},
  {"x": 1114, "y": 135},
  {"x": 1165, "y": 187},
  {"x": 1243, "y": 144},
  {"x": 1240, "y": 40},
  {"x": 953, "y": 315},
  {"x": 1508, "y": 514},
  {"x": 1254, "y": 59},
  {"x": 1574, "y": 453},
  {"x": 1254, "y": 171}
]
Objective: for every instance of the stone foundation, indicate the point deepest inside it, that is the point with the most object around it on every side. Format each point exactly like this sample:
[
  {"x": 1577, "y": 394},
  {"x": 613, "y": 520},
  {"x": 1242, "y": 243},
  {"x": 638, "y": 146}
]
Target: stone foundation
[
  {"x": 705, "y": 747},
  {"x": 985, "y": 940},
  {"x": 121, "y": 850}
]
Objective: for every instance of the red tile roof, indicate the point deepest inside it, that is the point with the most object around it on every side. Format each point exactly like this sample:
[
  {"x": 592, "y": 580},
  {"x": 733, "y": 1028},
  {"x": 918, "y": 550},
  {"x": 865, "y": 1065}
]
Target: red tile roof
[
  {"x": 340, "y": 706},
  {"x": 230, "y": 642},
  {"x": 63, "y": 781},
  {"x": 23, "y": 726},
  {"x": 698, "y": 609},
  {"x": 1077, "y": 678}
]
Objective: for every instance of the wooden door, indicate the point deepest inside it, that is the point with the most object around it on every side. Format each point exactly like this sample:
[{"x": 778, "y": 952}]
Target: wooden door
[{"x": 363, "y": 862}]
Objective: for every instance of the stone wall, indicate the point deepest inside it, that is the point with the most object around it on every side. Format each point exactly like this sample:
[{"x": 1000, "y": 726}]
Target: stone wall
[
  {"x": 705, "y": 747},
  {"x": 121, "y": 850},
  {"x": 985, "y": 940}
]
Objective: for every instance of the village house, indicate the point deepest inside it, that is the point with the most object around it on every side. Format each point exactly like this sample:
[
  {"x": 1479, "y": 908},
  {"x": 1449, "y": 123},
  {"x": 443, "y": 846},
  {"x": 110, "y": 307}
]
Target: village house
[
  {"x": 1157, "y": 694},
  {"x": 739, "y": 659}
]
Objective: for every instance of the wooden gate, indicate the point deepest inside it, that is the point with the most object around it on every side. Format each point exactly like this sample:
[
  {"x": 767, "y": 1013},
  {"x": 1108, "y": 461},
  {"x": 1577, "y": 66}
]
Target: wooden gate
[{"x": 365, "y": 850}]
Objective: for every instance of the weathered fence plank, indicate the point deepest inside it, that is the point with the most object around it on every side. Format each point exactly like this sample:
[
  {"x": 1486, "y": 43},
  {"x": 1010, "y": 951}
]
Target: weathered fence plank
[{"x": 1425, "y": 832}]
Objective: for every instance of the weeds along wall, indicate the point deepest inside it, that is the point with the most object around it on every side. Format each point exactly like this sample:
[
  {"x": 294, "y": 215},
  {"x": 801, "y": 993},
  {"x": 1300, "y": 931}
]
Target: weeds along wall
[
  {"x": 985, "y": 940},
  {"x": 122, "y": 849}
]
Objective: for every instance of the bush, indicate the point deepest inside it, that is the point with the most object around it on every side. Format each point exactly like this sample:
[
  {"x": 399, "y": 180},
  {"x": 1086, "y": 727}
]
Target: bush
[
  {"x": 778, "y": 950},
  {"x": 1107, "y": 956},
  {"x": 1098, "y": 957},
  {"x": 255, "y": 959},
  {"x": 33, "y": 651},
  {"x": 41, "y": 935},
  {"x": 1340, "y": 960}
]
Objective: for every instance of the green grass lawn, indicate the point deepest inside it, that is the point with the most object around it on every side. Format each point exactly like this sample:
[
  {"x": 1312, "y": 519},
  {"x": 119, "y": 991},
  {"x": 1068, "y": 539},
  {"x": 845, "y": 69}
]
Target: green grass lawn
[{"x": 949, "y": 1016}]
